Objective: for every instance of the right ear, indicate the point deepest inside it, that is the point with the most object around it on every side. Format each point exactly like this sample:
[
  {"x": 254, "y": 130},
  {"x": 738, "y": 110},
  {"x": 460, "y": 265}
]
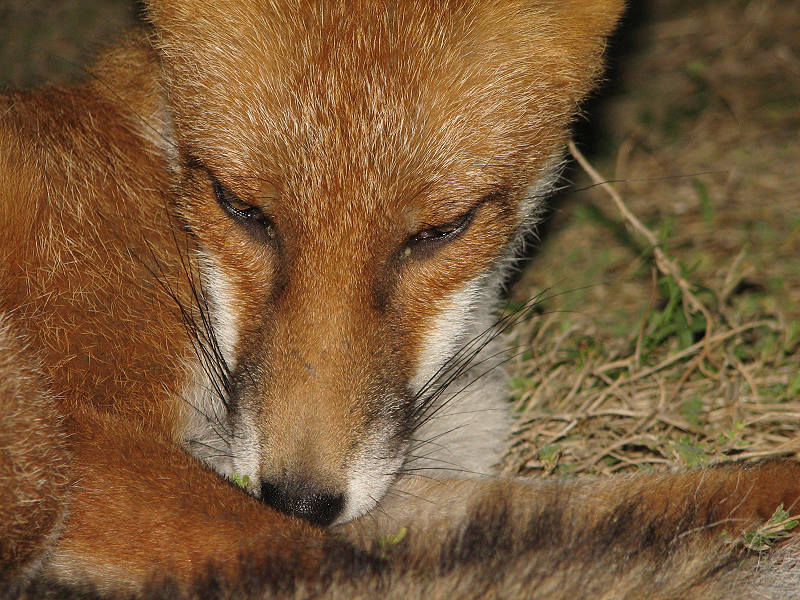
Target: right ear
[
  {"x": 592, "y": 19},
  {"x": 577, "y": 30},
  {"x": 555, "y": 47}
]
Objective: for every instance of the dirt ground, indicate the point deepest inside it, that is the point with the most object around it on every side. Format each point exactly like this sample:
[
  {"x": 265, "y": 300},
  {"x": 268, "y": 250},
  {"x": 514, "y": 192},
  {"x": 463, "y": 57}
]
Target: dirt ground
[
  {"x": 632, "y": 364},
  {"x": 666, "y": 326}
]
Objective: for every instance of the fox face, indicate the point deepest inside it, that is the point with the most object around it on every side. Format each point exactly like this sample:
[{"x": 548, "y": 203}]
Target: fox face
[{"x": 356, "y": 177}]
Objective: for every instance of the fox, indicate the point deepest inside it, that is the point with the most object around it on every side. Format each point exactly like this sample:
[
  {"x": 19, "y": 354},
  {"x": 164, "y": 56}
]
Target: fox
[{"x": 249, "y": 344}]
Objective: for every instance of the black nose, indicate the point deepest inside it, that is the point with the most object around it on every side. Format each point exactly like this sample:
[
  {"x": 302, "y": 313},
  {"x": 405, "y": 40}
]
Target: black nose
[{"x": 303, "y": 500}]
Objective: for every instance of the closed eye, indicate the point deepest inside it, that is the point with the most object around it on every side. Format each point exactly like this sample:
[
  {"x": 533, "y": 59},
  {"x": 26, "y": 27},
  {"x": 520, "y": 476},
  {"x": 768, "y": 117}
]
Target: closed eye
[
  {"x": 246, "y": 214},
  {"x": 444, "y": 232}
]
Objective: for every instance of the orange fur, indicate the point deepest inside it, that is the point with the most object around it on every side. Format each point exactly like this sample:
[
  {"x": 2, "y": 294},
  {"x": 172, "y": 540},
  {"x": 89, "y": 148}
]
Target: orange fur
[{"x": 358, "y": 132}]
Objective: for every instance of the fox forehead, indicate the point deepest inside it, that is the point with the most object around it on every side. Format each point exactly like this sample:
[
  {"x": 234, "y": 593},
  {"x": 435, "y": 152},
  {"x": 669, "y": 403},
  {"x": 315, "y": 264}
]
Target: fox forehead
[{"x": 377, "y": 100}]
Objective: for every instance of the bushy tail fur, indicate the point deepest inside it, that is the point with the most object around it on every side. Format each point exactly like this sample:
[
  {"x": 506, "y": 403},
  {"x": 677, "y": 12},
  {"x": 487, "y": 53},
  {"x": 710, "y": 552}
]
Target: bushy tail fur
[{"x": 652, "y": 536}]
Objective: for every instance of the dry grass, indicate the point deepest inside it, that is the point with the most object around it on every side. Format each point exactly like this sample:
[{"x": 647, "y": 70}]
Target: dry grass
[{"x": 674, "y": 343}]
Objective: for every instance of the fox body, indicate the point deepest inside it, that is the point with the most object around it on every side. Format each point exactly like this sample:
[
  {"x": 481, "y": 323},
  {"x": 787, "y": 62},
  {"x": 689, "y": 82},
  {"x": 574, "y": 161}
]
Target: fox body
[{"x": 271, "y": 237}]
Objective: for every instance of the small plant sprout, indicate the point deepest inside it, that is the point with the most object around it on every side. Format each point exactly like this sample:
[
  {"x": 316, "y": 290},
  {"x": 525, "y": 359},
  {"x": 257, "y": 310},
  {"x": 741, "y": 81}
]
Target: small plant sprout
[
  {"x": 243, "y": 481},
  {"x": 772, "y": 532},
  {"x": 388, "y": 542}
]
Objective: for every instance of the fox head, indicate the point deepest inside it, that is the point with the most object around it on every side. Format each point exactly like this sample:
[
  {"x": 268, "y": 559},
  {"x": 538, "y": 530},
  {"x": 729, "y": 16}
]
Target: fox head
[{"x": 355, "y": 176}]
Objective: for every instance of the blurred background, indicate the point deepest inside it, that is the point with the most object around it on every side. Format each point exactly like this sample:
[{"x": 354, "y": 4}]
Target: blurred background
[{"x": 626, "y": 362}]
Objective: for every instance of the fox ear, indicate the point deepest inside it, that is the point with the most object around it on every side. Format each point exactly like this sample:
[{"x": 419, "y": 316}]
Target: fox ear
[
  {"x": 595, "y": 18},
  {"x": 566, "y": 39},
  {"x": 579, "y": 24},
  {"x": 166, "y": 15}
]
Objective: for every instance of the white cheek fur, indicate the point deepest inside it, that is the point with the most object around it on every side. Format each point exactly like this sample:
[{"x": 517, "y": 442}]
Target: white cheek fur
[
  {"x": 207, "y": 431},
  {"x": 369, "y": 477},
  {"x": 222, "y": 300},
  {"x": 446, "y": 334},
  {"x": 468, "y": 422}
]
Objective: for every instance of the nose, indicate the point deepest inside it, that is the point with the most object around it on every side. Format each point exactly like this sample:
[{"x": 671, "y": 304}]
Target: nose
[{"x": 304, "y": 500}]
